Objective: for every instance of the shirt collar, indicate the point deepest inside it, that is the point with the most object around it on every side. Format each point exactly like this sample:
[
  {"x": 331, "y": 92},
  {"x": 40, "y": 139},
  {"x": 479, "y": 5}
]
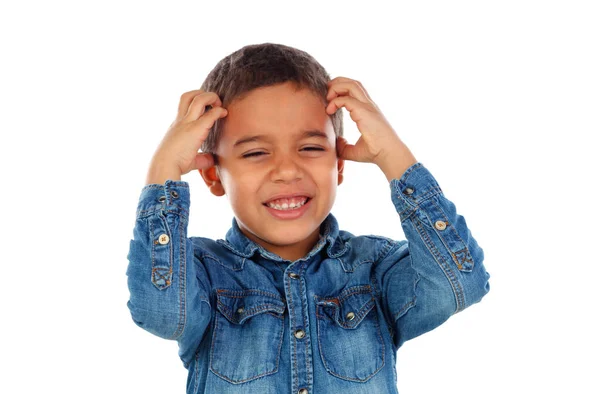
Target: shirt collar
[{"x": 241, "y": 245}]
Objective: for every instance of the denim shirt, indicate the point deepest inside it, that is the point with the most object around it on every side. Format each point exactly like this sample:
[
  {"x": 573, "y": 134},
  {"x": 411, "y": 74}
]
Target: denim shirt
[{"x": 248, "y": 321}]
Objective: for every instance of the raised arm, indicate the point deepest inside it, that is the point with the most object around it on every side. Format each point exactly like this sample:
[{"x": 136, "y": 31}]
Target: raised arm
[
  {"x": 439, "y": 270},
  {"x": 169, "y": 289}
]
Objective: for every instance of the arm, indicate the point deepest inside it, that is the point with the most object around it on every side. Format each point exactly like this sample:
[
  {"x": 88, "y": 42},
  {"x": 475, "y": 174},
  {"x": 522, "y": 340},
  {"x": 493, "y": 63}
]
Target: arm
[
  {"x": 169, "y": 290},
  {"x": 439, "y": 271}
]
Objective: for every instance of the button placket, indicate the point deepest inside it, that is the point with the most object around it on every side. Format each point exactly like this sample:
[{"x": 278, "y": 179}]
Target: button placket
[{"x": 297, "y": 310}]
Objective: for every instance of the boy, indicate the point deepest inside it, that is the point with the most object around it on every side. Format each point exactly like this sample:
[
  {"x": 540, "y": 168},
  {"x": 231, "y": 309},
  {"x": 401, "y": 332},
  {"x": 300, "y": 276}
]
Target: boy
[{"x": 287, "y": 302}]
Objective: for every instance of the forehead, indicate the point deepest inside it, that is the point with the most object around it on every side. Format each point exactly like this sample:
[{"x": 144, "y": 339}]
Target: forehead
[{"x": 278, "y": 111}]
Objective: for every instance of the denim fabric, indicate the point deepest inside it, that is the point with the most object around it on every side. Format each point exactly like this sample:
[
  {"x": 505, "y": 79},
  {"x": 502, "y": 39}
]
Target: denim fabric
[{"x": 247, "y": 321}]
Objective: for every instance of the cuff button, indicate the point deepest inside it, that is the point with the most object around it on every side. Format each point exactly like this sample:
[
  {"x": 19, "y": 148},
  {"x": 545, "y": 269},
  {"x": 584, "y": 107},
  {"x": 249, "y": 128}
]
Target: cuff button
[
  {"x": 440, "y": 225},
  {"x": 409, "y": 190},
  {"x": 162, "y": 198},
  {"x": 163, "y": 239},
  {"x": 174, "y": 194}
]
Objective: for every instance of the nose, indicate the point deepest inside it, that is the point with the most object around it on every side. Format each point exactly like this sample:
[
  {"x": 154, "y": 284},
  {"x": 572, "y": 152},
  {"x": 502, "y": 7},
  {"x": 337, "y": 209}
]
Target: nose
[{"x": 286, "y": 169}]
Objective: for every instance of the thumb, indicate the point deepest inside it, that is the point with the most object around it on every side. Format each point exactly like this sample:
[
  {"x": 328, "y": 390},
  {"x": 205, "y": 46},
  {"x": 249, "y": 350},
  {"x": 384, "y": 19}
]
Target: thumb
[{"x": 204, "y": 161}]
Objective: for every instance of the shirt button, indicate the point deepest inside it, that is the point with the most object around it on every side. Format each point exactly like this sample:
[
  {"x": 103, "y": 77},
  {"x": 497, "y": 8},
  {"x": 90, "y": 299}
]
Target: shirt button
[
  {"x": 303, "y": 391},
  {"x": 163, "y": 239},
  {"x": 293, "y": 275},
  {"x": 299, "y": 334},
  {"x": 409, "y": 190},
  {"x": 440, "y": 225},
  {"x": 350, "y": 316},
  {"x": 240, "y": 310},
  {"x": 174, "y": 194}
]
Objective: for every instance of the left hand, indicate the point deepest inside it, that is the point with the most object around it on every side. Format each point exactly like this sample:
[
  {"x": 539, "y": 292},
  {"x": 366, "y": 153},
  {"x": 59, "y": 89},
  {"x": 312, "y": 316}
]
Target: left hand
[{"x": 377, "y": 135}]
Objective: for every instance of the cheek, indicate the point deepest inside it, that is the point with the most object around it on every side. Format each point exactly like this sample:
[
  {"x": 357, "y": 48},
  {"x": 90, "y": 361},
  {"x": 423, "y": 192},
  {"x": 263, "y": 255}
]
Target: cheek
[{"x": 246, "y": 183}]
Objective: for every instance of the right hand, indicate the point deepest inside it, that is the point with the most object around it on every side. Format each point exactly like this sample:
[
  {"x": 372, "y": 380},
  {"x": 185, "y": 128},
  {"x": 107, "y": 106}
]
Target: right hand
[{"x": 178, "y": 150}]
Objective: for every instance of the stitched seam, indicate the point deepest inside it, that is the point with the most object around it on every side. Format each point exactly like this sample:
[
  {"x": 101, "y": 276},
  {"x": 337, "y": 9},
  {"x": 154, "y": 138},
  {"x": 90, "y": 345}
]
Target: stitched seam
[
  {"x": 248, "y": 312},
  {"x": 249, "y": 378},
  {"x": 405, "y": 176},
  {"x": 157, "y": 186},
  {"x": 360, "y": 289},
  {"x": 453, "y": 229},
  {"x": 197, "y": 372},
  {"x": 293, "y": 324},
  {"x": 243, "y": 293},
  {"x": 306, "y": 325},
  {"x": 182, "y": 279},
  {"x": 407, "y": 306},
  {"x": 441, "y": 261},
  {"x": 319, "y": 334},
  {"x": 152, "y": 258},
  {"x": 176, "y": 209},
  {"x": 394, "y": 246}
]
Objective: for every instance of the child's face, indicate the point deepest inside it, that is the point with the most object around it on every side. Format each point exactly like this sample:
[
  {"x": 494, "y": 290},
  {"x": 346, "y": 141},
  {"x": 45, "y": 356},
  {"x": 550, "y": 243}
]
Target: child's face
[{"x": 286, "y": 161}]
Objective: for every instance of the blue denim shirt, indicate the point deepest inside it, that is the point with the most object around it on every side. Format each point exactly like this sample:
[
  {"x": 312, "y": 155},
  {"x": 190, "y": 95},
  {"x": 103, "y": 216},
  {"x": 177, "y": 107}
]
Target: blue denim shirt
[{"x": 247, "y": 321}]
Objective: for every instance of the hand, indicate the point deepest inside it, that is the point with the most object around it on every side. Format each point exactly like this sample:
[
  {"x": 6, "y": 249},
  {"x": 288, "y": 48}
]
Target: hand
[
  {"x": 178, "y": 150},
  {"x": 378, "y": 143}
]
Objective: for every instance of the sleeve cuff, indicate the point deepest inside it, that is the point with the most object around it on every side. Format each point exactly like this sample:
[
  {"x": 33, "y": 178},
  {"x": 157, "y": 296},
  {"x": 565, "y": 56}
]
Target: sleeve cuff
[
  {"x": 415, "y": 185},
  {"x": 170, "y": 195}
]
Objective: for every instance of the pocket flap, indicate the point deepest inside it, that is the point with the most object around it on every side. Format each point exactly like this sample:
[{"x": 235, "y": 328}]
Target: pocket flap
[
  {"x": 349, "y": 308},
  {"x": 239, "y": 305}
]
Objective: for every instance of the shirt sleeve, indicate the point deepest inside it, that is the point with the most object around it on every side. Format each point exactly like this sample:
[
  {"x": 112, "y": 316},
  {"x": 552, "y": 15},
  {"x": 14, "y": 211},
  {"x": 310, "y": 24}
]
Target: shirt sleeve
[
  {"x": 438, "y": 271},
  {"x": 169, "y": 290}
]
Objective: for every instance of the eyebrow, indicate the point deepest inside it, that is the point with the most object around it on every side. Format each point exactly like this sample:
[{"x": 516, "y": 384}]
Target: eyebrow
[{"x": 262, "y": 137}]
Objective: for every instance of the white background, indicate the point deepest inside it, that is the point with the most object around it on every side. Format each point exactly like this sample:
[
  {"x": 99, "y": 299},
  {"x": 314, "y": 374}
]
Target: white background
[{"x": 500, "y": 100}]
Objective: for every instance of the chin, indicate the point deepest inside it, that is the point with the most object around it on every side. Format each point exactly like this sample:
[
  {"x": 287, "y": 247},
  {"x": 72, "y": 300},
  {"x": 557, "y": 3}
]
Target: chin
[{"x": 287, "y": 238}]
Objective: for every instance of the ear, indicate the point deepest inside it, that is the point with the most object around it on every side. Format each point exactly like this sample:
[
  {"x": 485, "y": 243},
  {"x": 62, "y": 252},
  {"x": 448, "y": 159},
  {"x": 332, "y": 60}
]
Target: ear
[
  {"x": 340, "y": 165},
  {"x": 212, "y": 180}
]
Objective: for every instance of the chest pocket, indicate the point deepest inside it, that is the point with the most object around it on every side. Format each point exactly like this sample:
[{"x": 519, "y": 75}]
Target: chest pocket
[
  {"x": 350, "y": 340},
  {"x": 247, "y": 334}
]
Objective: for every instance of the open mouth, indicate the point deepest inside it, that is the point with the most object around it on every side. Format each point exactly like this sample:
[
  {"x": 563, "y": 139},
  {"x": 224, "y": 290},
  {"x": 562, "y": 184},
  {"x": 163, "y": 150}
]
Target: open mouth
[{"x": 287, "y": 204}]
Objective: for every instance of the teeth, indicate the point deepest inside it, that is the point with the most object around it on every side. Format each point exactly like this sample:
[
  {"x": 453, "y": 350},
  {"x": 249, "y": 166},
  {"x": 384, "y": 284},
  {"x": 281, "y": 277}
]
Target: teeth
[{"x": 285, "y": 204}]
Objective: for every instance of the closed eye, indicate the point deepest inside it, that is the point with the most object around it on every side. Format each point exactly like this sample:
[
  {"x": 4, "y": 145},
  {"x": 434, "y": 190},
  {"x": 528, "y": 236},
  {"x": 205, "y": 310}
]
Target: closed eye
[
  {"x": 313, "y": 148},
  {"x": 308, "y": 148},
  {"x": 253, "y": 154}
]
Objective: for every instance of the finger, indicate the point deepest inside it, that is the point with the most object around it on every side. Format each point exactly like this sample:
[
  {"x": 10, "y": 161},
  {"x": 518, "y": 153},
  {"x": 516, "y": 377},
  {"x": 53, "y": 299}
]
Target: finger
[
  {"x": 354, "y": 106},
  {"x": 199, "y": 104},
  {"x": 348, "y": 89},
  {"x": 204, "y": 161},
  {"x": 341, "y": 85},
  {"x": 207, "y": 121},
  {"x": 185, "y": 101},
  {"x": 338, "y": 79}
]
